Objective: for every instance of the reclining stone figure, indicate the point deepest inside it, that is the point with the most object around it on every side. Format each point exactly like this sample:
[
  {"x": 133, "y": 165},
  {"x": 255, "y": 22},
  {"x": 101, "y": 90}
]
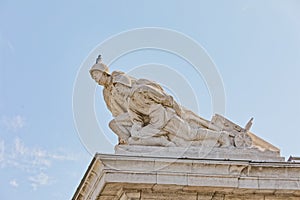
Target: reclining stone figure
[{"x": 144, "y": 114}]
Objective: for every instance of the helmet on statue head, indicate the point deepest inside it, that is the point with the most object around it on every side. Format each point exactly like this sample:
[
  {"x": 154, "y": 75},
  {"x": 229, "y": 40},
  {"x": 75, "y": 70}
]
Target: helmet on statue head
[{"x": 99, "y": 66}]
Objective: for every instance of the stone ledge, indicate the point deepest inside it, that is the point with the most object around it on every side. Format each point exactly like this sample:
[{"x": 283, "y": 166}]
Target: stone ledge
[
  {"x": 110, "y": 175},
  {"x": 251, "y": 154}
]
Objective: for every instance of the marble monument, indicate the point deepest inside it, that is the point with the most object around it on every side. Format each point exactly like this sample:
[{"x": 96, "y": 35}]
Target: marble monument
[{"x": 166, "y": 151}]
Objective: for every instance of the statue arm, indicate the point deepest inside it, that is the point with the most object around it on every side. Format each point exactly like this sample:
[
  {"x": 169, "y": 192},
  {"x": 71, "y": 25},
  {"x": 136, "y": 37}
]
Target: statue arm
[
  {"x": 156, "y": 94},
  {"x": 137, "y": 123}
]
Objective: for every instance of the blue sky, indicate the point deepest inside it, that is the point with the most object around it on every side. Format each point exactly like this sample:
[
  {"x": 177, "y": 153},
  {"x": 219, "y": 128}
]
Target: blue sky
[{"x": 254, "y": 44}]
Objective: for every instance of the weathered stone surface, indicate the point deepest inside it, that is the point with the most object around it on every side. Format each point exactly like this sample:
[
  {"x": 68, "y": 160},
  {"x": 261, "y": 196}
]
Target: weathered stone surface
[
  {"x": 252, "y": 154},
  {"x": 198, "y": 179},
  {"x": 144, "y": 114},
  {"x": 166, "y": 151}
]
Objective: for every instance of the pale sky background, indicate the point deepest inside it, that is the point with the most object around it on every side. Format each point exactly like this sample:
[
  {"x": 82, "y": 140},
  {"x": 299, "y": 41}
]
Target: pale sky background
[{"x": 254, "y": 44}]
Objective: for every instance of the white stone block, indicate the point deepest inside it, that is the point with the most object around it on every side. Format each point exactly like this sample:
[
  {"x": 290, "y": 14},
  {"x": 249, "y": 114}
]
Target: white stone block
[
  {"x": 248, "y": 182},
  {"x": 213, "y": 181},
  {"x": 176, "y": 179},
  {"x": 123, "y": 177}
]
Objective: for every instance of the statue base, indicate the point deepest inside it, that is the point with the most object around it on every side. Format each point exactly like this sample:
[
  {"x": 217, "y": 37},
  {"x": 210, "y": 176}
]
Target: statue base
[
  {"x": 202, "y": 152},
  {"x": 121, "y": 177}
]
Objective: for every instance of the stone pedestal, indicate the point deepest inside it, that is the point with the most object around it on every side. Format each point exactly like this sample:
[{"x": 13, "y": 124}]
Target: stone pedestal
[{"x": 140, "y": 177}]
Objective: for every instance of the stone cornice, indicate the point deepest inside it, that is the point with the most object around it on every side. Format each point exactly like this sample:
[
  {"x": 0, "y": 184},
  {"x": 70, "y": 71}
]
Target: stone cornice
[{"x": 217, "y": 174}]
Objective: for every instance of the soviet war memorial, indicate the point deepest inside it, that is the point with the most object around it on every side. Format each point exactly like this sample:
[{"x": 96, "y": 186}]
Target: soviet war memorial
[{"x": 166, "y": 151}]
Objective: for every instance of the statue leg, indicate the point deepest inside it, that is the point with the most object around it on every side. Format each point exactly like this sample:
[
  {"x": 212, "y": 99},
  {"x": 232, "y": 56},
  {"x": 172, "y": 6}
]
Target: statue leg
[
  {"x": 151, "y": 141},
  {"x": 121, "y": 126},
  {"x": 180, "y": 128}
]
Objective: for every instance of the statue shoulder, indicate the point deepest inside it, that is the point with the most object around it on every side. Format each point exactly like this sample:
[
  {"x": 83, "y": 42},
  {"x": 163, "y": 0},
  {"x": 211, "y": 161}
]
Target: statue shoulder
[
  {"x": 123, "y": 78},
  {"x": 153, "y": 84}
]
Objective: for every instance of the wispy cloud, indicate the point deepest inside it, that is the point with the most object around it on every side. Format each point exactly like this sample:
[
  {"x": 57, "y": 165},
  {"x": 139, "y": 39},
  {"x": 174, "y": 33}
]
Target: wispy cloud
[
  {"x": 34, "y": 161},
  {"x": 19, "y": 147},
  {"x": 39, "y": 180},
  {"x": 14, "y": 183},
  {"x": 14, "y": 123}
]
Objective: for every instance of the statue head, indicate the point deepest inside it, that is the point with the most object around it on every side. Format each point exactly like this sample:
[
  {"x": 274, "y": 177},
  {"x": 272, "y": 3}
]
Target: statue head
[{"x": 100, "y": 72}]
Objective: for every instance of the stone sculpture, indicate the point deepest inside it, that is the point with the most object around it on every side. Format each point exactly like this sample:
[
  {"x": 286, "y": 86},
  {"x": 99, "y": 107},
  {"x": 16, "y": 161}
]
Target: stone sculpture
[{"x": 144, "y": 114}]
